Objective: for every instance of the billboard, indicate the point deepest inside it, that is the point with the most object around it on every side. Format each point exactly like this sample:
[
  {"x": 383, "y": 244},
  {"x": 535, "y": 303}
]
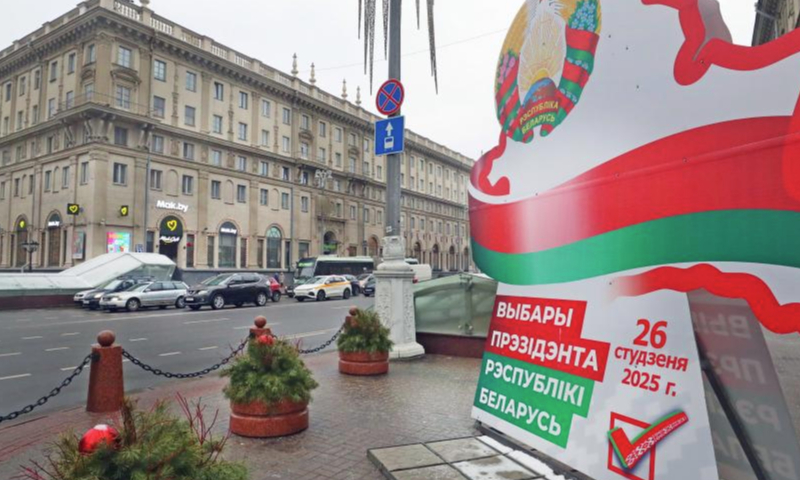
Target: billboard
[
  {"x": 118, "y": 242},
  {"x": 643, "y": 160}
]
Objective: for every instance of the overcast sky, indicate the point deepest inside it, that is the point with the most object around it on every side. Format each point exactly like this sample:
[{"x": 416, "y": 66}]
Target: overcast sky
[{"x": 469, "y": 36}]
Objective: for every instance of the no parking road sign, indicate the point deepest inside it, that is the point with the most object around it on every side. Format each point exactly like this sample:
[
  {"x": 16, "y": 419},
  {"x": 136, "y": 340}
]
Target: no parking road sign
[{"x": 390, "y": 97}]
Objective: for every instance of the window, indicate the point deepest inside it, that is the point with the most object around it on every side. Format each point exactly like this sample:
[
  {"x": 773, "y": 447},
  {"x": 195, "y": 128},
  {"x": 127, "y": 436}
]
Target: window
[
  {"x": 366, "y": 215},
  {"x": 263, "y": 169},
  {"x": 304, "y": 204},
  {"x": 287, "y": 145},
  {"x": 241, "y": 193},
  {"x": 190, "y": 251},
  {"x": 159, "y": 107},
  {"x": 191, "y": 81},
  {"x": 380, "y": 172},
  {"x": 84, "y": 173},
  {"x": 242, "y": 131},
  {"x": 285, "y": 174},
  {"x": 120, "y": 174},
  {"x": 352, "y": 165},
  {"x": 19, "y": 120},
  {"x": 430, "y": 169},
  {"x": 337, "y": 186},
  {"x": 187, "y": 185},
  {"x": 91, "y": 54},
  {"x": 189, "y": 116},
  {"x": 21, "y": 86},
  {"x": 53, "y": 71},
  {"x": 158, "y": 144},
  {"x": 70, "y": 99},
  {"x": 322, "y": 155},
  {"x": 219, "y": 91},
  {"x": 287, "y": 116},
  {"x": 263, "y": 197},
  {"x": 216, "y": 158},
  {"x": 380, "y": 217},
  {"x": 243, "y": 254},
  {"x": 366, "y": 170},
  {"x": 160, "y": 70},
  {"x": 352, "y": 212},
  {"x": 338, "y": 135},
  {"x": 124, "y": 56},
  {"x": 323, "y": 129},
  {"x": 19, "y": 153},
  {"x": 366, "y": 145},
  {"x": 188, "y": 151},
  {"x": 123, "y": 97},
  {"x": 285, "y": 201},
  {"x": 266, "y": 108},
  {"x": 303, "y": 248},
  {"x": 304, "y": 150},
  {"x": 216, "y": 124},
  {"x": 155, "y": 179},
  {"x": 244, "y": 100},
  {"x": 16, "y": 187},
  {"x": 338, "y": 159},
  {"x": 304, "y": 178},
  {"x": 242, "y": 164},
  {"x": 37, "y": 79},
  {"x": 305, "y": 122},
  {"x": 121, "y": 136},
  {"x": 51, "y": 110},
  {"x": 353, "y": 139},
  {"x": 274, "y": 238},
  {"x": 88, "y": 91},
  {"x": 264, "y": 138},
  {"x": 210, "y": 252},
  {"x": 2, "y": 190},
  {"x": 216, "y": 189}
]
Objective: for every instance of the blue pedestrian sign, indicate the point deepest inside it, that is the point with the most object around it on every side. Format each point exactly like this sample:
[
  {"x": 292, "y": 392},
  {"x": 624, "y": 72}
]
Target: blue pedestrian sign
[{"x": 390, "y": 136}]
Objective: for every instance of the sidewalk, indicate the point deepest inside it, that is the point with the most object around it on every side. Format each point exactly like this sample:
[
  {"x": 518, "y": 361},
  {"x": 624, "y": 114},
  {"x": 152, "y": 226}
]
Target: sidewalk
[{"x": 419, "y": 401}]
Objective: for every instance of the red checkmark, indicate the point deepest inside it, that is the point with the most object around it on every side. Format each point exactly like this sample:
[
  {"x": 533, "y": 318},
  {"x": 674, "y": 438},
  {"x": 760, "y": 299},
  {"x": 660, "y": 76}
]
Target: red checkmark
[{"x": 630, "y": 453}]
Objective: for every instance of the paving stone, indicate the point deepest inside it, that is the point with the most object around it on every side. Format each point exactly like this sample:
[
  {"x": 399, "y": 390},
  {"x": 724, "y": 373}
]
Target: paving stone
[
  {"x": 439, "y": 472},
  {"x": 461, "y": 449},
  {"x": 534, "y": 464},
  {"x": 402, "y": 458},
  {"x": 495, "y": 444},
  {"x": 494, "y": 468}
]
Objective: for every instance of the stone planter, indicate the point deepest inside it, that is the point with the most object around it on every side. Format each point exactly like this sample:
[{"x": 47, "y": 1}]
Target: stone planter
[
  {"x": 262, "y": 420},
  {"x": 363, "y": 363}
]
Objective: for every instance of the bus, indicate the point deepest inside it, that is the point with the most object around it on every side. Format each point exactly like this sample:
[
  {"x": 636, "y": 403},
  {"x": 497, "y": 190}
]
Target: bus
[{"x": 308, "y": 268}]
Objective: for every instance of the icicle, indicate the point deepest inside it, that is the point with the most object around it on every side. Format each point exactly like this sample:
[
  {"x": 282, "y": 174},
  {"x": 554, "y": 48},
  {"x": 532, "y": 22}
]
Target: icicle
[
  {"x": 360, "y": 4},
  {"x": 372, "y": 11},
  {"x": 366, "y": 33},
  {"x": 417, "y": 14},
  {"x": 432, "y": 36},
  {"x": 385, "y": 29}
]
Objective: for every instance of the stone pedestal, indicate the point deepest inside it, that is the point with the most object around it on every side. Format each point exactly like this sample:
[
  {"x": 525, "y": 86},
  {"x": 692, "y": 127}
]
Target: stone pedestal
[{"x": 394, "y": 299}]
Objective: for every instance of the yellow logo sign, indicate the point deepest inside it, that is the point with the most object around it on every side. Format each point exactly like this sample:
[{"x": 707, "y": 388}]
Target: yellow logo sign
[
  {"x": 123, "y": 211},
  {"x": 22, "y": 224},
  {"x": 172, "y": 225},
  {"x": 73, "y": 208}
]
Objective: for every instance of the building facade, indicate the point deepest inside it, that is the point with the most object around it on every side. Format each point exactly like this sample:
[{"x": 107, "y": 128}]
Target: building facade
[
  {"x": 775, "y": 18},
  {"x": 122, "y": 130}
]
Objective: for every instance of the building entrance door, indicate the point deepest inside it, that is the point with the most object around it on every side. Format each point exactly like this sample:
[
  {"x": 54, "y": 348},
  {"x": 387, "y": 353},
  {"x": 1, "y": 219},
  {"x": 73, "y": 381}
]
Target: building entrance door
[{"x": 170, "y": 236}]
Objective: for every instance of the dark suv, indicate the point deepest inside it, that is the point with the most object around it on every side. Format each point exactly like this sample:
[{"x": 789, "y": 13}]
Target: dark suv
[{"x": 229, "y": 289}]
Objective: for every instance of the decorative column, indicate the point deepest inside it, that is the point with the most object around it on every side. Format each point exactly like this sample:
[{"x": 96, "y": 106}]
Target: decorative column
[{"x": 394, "y": 299}]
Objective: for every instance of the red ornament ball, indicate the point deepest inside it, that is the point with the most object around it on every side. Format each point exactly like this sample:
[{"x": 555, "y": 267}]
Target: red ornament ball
[
  {"x": 265, "y": 340},
  {"x": 98, "y": 435}
]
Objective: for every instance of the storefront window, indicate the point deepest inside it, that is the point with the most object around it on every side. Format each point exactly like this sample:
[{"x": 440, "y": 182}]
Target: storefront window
[
  {"x": 302, "y": 250},
  {"x": 243, "y": 254},
  {"x": 151, "y": 238},
  {"x": 210, "y": 252},
  {"x": 260, "y": 253},
  {"x": 228, "y": 234},
  {"x": 190, "y": 251},
  {"x": 274, "y": 248}
]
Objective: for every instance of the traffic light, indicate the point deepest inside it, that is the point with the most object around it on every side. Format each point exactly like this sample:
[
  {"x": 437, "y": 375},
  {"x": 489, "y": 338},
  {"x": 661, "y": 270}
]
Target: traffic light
[{"x": 123, "y": 211}]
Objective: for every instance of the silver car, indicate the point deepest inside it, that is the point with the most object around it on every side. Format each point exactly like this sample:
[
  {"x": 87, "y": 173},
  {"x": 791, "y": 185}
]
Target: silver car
[{"x": 151, "y": 294}]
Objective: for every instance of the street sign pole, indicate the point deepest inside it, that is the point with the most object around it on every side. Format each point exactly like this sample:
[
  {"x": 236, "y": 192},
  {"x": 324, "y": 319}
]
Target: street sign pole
[{"x": 393, "y": 161}]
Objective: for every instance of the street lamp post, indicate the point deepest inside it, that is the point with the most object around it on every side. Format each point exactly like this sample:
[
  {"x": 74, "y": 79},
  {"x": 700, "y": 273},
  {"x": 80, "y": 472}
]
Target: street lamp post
[
  {"x": 322, "y": 177},
  {"x": 30, "y": 247}
]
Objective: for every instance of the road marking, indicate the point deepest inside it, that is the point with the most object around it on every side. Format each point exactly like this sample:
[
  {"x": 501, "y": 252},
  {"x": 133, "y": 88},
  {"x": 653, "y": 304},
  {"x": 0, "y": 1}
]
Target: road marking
[
  {"x": 105, "y": 318},
  {"x": 170, "y": 354},
  {"x": 32, "y": 338},
  {"x": 51, "y": 318},
  {"x": 12, "y": 377},
  {"x": 125, "y": 360},
  {"x": 57, "y": 349},
  {"x": 68, "y": 369},
  {"x": 212, "y": 320},
  {"x": 137, "y": 340},
  {"x": 310, "y": 334},
  {"x": 71, "y": 334},
  {"x": 208, "y": 348},
  {"x": 10, "y": 354},
  {"x": 245, "y": 327},
  {"x": 20, "y": 320},
  {"x": 342, "y": 308}
]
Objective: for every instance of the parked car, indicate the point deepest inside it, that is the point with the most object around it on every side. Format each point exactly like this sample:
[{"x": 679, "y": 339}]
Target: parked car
[
  {"x": 152, "y": 294},
  {"x": 324, "y": 287},
  {"x": 91, "y": 299},
  {"x": 354, "y": 284},
  {"x": 362, "y": 280},
  {"x": 369, "y": 286},
  {"x": 230, "y": 289},
  {"x": 276, "y": 290}
]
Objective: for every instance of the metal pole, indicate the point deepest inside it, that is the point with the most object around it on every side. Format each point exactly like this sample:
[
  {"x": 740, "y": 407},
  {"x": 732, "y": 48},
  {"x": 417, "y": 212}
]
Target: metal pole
[
  {"x": 393, "y": 161},
  {"x": 146, "y": 198}
]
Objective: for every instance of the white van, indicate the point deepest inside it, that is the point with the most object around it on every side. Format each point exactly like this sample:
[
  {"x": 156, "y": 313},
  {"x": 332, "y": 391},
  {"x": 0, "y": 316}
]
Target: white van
[{"x": 422, "y": 272}]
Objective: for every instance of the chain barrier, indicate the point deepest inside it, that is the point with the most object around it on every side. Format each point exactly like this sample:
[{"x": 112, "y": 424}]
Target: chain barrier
[
  {"x": 324, "y": 345},
  {"x": 28, "y": 409},
  {"x": 206, "y": 371}
]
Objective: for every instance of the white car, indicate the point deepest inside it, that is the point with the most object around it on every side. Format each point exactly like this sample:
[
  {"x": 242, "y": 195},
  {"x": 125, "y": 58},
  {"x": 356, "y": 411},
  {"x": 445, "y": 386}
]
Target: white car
[
  {"x": 152, "y": 294},
  {"x": 78, "y": 298},
  {"x": 324, "y": 287}
]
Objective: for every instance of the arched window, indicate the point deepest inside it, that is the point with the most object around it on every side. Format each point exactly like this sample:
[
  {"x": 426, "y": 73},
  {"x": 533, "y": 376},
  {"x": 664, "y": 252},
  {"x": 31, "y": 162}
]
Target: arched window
[
  {"x": 274, "y": 238},
  {"x": 53, "y": 240},
  {"x": 228, "y": 234}
]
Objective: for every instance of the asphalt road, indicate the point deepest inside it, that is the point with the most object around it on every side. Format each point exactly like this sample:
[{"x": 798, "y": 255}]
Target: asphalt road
[{"x": 39, "y": 348}]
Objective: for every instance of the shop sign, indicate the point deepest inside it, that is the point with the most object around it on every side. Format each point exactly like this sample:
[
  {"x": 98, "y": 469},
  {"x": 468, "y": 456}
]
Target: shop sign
[
  {"x": 228, "y": 228},
  {"x": 78, "y": 245},
  {"x": 167, "y": 205},
  {"x": 53, "y": 223},
  {"x": 643, "y": 158},
  {"x": 118, "y": 242},
  {"x": 171, "y": 230}
]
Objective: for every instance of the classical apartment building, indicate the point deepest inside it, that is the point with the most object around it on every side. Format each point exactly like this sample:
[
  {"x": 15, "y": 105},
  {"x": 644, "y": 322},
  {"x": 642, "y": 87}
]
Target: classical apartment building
[
  {"x": 122, "y": 130},
  {"x": 775, "y": 18}
]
